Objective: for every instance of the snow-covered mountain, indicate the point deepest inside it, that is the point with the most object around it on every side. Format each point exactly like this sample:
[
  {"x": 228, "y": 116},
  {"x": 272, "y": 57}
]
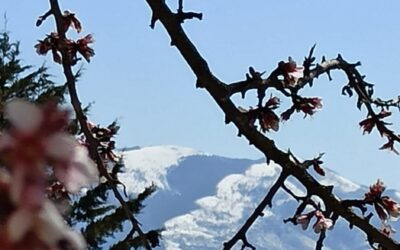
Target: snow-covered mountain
[{"x": 203, "y": 199}]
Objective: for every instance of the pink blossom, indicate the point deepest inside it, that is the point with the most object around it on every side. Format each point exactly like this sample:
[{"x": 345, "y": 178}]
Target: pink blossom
[
  {"x": 82, "y": 46},
  {"x": 41, "y": 227},
  {"x": 387, "y": 230},
  {"x": 269, "y": 120},
  {"x": 309, "y": 105},
  {"x": 71, "y": 21},
  {"x": 291, "y": 72},
  {"x": 36, "y": 140},
  {"x": 375, "y": 191},
  {"x": 306, "y": 105},
  {"x": 52, "y": 42},
  {"x": 304, "y": 220},
  {"x": 322, "y": 223},
  {"x": 273, "y": 102},
  {"x": 287, "y": 114},
  {"x": 369, "y": 123},
  {"x": 56, "y": 191},
  {"x": 385, "y": 206},
  {"x": 391, "y": 207},
  {"x": 44, "y": 227}
]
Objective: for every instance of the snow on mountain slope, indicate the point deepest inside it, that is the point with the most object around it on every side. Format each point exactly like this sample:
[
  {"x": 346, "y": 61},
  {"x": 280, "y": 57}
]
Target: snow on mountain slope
[
  {"x": 150, "y": 165},
  {"x": 180, "y": 180},
  {"x": 204, "y": 199}
]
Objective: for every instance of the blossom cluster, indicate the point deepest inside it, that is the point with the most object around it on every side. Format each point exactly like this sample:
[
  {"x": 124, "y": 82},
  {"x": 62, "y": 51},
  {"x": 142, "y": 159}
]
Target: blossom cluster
[
  {"x": 54, "y": 43},
  {"x": 268, "y": 119},
  {"x": 34, "y": 148},
  {"x": 306, "y": 105},
  {"x": 291, "y": 72},
  {"x": 291, "y": 76},
  {"x": 321, "y": 224},
  {"x": 385, "y": 206},
  {"x": 377, "y": 121},
  {"x": 104, "y": 135}
]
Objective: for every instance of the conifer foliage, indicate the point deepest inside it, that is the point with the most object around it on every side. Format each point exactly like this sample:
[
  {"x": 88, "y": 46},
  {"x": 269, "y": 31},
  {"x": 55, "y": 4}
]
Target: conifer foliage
[{"x": 24, "y": 81}]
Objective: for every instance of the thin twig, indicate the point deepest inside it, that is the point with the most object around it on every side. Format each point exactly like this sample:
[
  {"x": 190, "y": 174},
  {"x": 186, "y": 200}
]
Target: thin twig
[
  {"x": 267, "y": 201},
  {"x": 320, "y": 242}
]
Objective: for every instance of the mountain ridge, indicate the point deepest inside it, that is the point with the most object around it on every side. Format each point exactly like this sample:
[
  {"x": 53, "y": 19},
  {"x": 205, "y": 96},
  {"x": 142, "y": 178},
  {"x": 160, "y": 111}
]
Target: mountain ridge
[{"x": 203, "y": 199}]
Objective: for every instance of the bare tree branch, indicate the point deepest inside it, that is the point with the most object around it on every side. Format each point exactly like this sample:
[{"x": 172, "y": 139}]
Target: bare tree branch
[
  {"x": 221, "y": 93},
  {"x": 267, "y": 201},
  {"x": 320, "y": 242}
]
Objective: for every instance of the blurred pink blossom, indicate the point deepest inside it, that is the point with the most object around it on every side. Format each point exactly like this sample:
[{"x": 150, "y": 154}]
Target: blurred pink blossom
[{"x": 37, "y": 140}]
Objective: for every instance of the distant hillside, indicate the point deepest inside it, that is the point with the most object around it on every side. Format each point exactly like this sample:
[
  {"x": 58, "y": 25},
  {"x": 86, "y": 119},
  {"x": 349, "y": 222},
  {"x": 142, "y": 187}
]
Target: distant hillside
[{"x": 203, "y": 199}]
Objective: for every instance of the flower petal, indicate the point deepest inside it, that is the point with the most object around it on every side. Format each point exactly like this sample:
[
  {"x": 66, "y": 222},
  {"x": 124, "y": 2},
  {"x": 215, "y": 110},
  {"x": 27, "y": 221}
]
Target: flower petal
[
  {"x": 6, "y": 141},
  {"x": 75, "y": 239},
  {"x": 18, "y": 176},
  {"x": 61, "y": 146},
  {"x": 80, "y": 172},
  {"x": 19, "y": 223},
  {"x": 303, "y": 220},
  {"x": 27, "y": 187},
  {"x": 24, "y": 115},
  {"x": 328, "y": 223},
  {"x": 50, "y": 226}
]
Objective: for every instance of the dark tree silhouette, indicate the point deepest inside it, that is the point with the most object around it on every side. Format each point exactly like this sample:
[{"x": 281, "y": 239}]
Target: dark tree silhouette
[{"x": 22, "y": 81}]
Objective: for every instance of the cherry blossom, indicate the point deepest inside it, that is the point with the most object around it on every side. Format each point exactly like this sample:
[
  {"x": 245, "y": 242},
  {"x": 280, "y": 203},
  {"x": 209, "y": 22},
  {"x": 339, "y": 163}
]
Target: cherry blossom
[
  {"x": 369, "y": 123},
  {"x": 322, "y": 223},
  {"x": 291, "y": 72},
  {"x": 385, "y": 206},
  {"x": 375, "y": 191},
  {"x": 54, "y": 43},
  {"x": 304, "y": 219},
  {"x": 71, "y": 21},
  {"x": 387, "y": 230},
  {"x": 309, "y": 105},
  {"x": 391, "y": 207},
  {"x": 42, "y": 228},
  {"x": 104, "y": 135},
  {"x": 82, "y": 46},
  {"x": 36, "y": 140},
  {"x": 267, "y": 118},
  {"x": 306, "y": 105}
]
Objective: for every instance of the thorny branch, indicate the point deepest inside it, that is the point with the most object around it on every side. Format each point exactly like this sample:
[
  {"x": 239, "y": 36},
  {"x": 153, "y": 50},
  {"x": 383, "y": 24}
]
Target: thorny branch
[
  {"x": 93, "y": 142},
  {"x": 267, "y": 201},
  {"x": 221, "y": 92}
]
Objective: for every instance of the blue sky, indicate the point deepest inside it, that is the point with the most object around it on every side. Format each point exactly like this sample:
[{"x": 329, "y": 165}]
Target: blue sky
[{"x": 139, "y": 79}]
